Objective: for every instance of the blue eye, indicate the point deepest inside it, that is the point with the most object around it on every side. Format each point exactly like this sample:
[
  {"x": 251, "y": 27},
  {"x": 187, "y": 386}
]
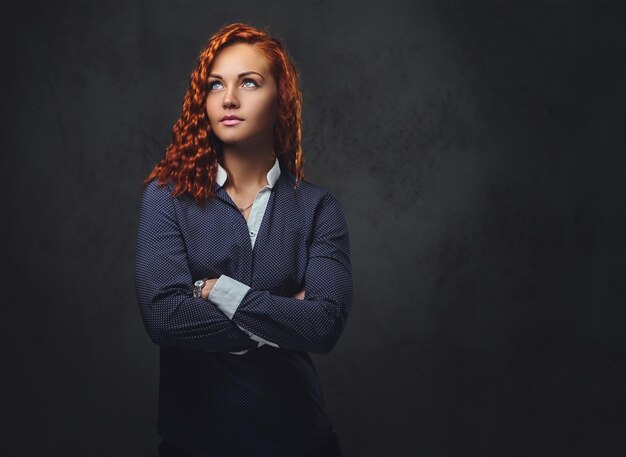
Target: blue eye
[
  {"x": 251, "y": 81},
  {"x": 213, "y": 82}
]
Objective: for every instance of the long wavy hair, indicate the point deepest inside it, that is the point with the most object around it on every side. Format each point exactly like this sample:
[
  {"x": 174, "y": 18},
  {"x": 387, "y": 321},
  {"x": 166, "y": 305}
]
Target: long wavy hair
[{"x": 191, "y": 160}]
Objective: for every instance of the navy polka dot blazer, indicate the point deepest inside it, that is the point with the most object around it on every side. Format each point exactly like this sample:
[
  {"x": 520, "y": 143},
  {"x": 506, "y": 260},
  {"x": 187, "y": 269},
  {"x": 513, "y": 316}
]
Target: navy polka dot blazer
[{"x": 221, "y": 392}]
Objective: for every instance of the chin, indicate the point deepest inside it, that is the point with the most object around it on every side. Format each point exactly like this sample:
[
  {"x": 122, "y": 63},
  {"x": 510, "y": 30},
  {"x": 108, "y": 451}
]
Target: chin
[
  {"x": 228, "y": 137},
  {"x": 232, "y": 140}
]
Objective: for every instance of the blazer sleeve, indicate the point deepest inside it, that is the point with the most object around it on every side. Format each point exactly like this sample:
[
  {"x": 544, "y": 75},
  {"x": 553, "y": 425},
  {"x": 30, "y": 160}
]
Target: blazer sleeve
[
  {"x": 171, "y": 314},
  {"x": 315, "y": 323}
]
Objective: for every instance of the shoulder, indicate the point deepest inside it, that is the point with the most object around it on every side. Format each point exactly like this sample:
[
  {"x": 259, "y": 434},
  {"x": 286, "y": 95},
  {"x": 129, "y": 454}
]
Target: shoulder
[
  {"x": 321, "y": 203},
  {"x": 306, "y": 190},
  {"x": 156, "y": 190},
  {"x": 155, "y": 195}
]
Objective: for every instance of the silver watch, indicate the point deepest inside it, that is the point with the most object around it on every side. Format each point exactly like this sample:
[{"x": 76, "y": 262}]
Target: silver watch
[{"x": 197, "y": 287}]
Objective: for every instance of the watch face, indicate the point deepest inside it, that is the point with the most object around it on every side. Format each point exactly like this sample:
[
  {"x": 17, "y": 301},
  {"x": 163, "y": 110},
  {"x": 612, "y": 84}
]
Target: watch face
[{"x": 199, "y": 283}]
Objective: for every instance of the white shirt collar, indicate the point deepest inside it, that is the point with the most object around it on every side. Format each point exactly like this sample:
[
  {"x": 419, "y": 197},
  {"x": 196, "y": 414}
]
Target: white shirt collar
[{"x": 272, "y": 175}]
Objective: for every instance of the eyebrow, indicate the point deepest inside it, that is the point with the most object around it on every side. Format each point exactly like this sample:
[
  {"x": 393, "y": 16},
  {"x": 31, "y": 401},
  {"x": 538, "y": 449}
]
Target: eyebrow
[{"x": 215, "y": 75}]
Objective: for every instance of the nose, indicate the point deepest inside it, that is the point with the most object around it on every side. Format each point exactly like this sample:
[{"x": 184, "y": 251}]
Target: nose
[{"x": 230, "y": 98}]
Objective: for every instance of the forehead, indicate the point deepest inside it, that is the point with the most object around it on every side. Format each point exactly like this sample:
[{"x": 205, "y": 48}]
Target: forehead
[{"x": 240, "y": 57}]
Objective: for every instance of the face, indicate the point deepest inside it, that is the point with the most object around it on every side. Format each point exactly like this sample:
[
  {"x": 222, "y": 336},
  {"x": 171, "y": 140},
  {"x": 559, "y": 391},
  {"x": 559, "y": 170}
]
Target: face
[{"x": 241, "y": 86}]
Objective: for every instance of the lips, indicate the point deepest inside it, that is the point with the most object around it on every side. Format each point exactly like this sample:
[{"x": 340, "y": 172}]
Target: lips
[{"x": 231, "y": 120}]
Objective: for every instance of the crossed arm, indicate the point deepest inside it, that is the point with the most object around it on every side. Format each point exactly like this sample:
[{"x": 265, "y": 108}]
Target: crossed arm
[
  {"x": 174, "y": 317},
  {"x": 206, "y": 290},
  {"x": 228, "y": 299}
]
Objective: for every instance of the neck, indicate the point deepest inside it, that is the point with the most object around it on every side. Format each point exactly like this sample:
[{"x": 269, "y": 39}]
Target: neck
[{"x": 247, "y": 170}]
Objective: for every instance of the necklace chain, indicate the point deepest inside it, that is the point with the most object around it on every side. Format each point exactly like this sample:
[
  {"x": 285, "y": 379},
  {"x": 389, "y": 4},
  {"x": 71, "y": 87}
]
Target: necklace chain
[{"x": 244, "y": 209}]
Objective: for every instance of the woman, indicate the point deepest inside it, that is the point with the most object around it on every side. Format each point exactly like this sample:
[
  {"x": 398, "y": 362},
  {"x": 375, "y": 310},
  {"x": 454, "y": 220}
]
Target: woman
[{"x": 242, "y": 266}]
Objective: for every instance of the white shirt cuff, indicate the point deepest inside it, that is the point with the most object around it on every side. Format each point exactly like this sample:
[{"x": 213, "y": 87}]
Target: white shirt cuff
[{"x": 227, "y": 293}]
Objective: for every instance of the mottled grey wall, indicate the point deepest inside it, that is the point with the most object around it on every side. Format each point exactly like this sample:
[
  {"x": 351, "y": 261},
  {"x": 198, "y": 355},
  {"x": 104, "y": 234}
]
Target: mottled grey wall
[{"x": 478, "y": 151}]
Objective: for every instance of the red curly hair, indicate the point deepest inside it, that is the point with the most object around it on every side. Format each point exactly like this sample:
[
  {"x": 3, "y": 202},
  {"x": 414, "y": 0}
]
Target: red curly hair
[{"x": 191, "y": 159}]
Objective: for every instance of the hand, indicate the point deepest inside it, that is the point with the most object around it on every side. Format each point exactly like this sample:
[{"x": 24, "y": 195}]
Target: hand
[
  {"x": 299, "y": 295},
  {"x": 208, "y": 286}
]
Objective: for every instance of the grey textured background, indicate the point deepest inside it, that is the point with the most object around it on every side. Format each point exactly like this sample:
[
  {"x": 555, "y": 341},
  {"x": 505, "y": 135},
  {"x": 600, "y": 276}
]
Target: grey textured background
[{"x": 478, "y": 151}]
